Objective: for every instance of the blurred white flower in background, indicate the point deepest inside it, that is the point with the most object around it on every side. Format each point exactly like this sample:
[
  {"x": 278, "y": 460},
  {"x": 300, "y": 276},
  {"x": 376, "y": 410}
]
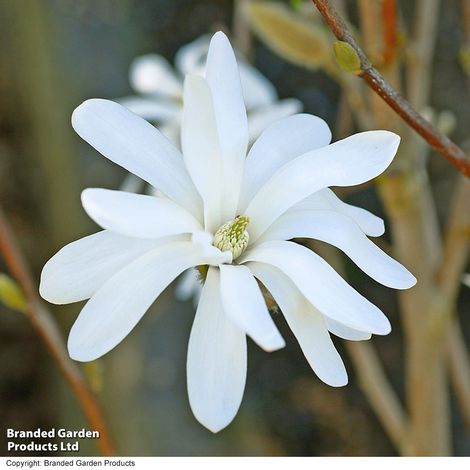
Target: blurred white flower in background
[
  {"x": 160, "y": 90},
  {"x": 466, "y": 279},
  {"x": 232, "y": 216}
]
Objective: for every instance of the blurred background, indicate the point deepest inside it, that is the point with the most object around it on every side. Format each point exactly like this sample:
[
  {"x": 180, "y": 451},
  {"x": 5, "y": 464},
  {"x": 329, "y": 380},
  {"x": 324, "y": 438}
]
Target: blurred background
[{"x": 56, "y": 53}]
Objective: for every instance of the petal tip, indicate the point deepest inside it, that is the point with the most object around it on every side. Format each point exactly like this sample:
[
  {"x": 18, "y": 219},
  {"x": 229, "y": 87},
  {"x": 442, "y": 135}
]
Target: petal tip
[
  {"x": 81, "y": 112},
  {"x": 47, "y": 290},
  {"x": 404, "y": 279},
  {"x": 409, "y": 281},
  {"x": 274, "y": 343},
  {"x": 379, "y": 228},
  {"x": 77, "y": 352},
  {"x": 341, "y": 381},
  {"x": 43, "y": 291},
  {"x": 384, "y": 329},
  {"x": 215, "y": 427},
  {"x": 220, "y": 36}
]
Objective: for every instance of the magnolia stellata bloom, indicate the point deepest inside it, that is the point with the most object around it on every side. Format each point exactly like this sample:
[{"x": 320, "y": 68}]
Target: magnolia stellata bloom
[
  {"x": 233, "y": 215},
  {"x": 160, "y": 91}
]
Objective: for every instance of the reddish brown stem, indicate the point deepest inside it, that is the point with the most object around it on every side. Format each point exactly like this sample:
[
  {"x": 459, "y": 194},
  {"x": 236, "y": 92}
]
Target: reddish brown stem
[
  {"x": 44, "y": 324},
  {"x": 389, "y": 16},
  {"x": 402, "y": 107}
]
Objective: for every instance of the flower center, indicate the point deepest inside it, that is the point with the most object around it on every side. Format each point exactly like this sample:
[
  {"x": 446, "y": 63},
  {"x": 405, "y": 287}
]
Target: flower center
[{"x": 232, "y": 236}]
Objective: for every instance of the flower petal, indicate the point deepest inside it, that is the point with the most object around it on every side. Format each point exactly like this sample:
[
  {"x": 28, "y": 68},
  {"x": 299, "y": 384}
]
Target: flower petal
[
  {"x": 151, "y": 73},
  {"x": 224, "y": 81},
  {"x": 307, "y": 324},
  {"x": 257, "y": 90},
  {"x": 340, "y": 231},
  {"x": 151, "y": 108},
  {"x": 321, "y": 285},
  {"x": 120, "y": 303},
  {"x": 190, "y": 58},
  {"x": 130, "y": 141},
  {"x": 280, "y": 143},
  {"x": 326, "y": 199},
  {"x": 342, "y": 331},
  {"x": 137, "y": 215},
  {"x": 260, "y": 118},
  {"x": 216, "y": 366},
  {"x": 201, "y": 147},
  {"x": 243, "y": 302},
  {"x": 347, "y": 162},
  {"x": 80, "y": 268}
]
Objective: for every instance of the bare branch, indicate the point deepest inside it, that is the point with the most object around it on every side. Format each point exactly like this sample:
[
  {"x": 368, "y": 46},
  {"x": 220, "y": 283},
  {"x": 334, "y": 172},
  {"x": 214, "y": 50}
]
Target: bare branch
[
  {"x": 379, "y": 392},
  {"x": 47, "y": 329},
  {"x": 402, "y": 107}
]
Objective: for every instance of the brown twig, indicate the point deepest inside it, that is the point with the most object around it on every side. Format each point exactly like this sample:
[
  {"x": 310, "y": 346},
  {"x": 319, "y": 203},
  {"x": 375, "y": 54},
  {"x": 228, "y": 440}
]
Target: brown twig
[
  {"x": 377, "y": 388},
  {"x": 370, "y": 372},
  {"x": 408, "y": 201},
  {"x": 389, "y": 20},
  {"x": 374, "y": 80},
  {"x": 44, "y": 324},
  {"x": 459, "y": 368},
  {"x": 454, "y": 259}
]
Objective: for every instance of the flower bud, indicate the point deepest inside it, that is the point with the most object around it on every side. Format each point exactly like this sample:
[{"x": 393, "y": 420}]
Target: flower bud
[
  {"x": 347, "y": 57},
  {"x": 10, "y": 294}
]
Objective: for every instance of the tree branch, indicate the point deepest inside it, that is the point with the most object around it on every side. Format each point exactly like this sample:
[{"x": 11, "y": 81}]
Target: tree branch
[
  {"x": 402, "y": 107},
  {"x": 379, "y": 392},
  {"x": 44, "y": 324}
]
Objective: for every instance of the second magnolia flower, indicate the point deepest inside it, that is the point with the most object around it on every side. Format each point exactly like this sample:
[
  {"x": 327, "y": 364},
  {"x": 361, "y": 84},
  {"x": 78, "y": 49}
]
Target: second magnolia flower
[{"x": 235, "y": 214}]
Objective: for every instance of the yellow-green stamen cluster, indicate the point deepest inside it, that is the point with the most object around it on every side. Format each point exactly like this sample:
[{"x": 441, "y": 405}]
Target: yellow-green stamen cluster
[{"x": 232, "y": 236}]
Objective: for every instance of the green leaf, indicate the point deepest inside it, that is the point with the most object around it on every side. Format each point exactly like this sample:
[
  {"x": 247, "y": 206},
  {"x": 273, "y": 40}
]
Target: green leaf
[{"x": 11, "y": 295}]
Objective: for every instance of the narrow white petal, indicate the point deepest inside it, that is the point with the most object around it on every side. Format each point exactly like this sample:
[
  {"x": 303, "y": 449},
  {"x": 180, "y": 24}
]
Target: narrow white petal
[
  {"x": 201, "y": 147},
  {"x": 137, "y": 215},
  {"x": 152, "y": 108},
  {"x": 258, "y": 91},
  {"x": 224, "y": 81},
  {"x": 120, "y": 303},
  {"x": 80, "y": 268},
  {"x": 342, "y": 331},
  {"x": 326, "y": 199},
  {"x": 130, "y": 141},
  {"x": 321, "y": 285},
  {"x": 151, "y": 73},
  {"x": 348, "y": 162},
  {"x": 244, "y": 304},
  {"x": 307, "y": 324},
  {"x": 216, "y": 365},
  {"x": 203, "y": 240},
  {"x": 341, "y": 231},
  {"x": 280, "y": 143},
  {"x": 261, "y": 118}
]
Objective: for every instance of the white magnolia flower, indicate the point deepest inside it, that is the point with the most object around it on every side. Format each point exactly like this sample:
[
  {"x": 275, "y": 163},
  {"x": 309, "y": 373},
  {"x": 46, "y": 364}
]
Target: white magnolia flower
[
  {"x": 233, "y": 215},
  {"x": 160, "y": 91}
]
